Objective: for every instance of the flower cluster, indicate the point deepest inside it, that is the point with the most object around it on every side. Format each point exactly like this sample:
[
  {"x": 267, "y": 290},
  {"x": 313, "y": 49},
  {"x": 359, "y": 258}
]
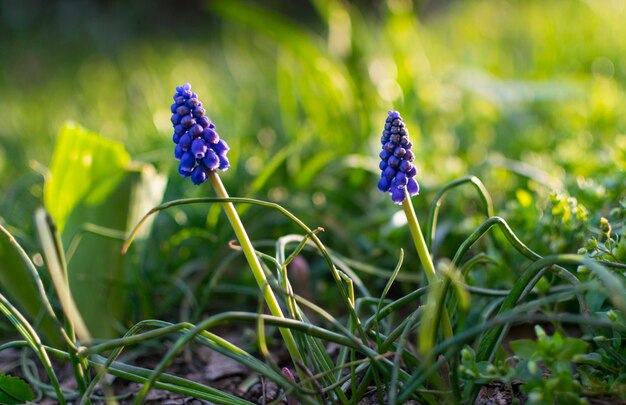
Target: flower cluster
[
  {"x": 396, "y": 160},
  {"x": 198, "y": 146}
]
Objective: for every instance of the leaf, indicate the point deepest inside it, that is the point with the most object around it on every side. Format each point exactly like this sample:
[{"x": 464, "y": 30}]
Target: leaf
[
  {"x": 92, "y": 181},
  {"x": 570, "y": 348},
  {"x": 524, "y": 348},
  {"x": 83, "y": 164},
  {"x": 14, "y": 390},
  {"x": 98, "y": 277}
]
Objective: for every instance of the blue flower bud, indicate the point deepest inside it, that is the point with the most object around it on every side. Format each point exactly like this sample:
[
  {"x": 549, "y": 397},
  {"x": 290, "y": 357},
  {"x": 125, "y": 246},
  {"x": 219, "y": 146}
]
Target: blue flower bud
[
  {"x": 224, "y": 163},
  {"x": 195, "y": 131},
  {"x": 401, "y": 179},
  {"x": 198, "y": 175},
  {"x": 397, "y": 195},
  {"x": 185, "y": 141},
  {"x": 389, "y": 173},
  {"x": 210, "y": 136},
  {"x": 187, "y": 121},
  {"x": 412, "y": 187},
  {"x": 198, "y": 148},
  {"x": 193, "y": 102},
  {"x": 221, "y": 147},
  {"x": 211, "y": 160},
  {"x": 203, "y": 121},
  {"x": 179, "y": 129},
  {"x": 384, "y": 184},
  {"x": 187, "y": 161},
  {"x": 396, "y": 157},
  {"x": 173, "y": 108},
  {"x": 178, "y": 152},
  {"x": 175, "y": 138},
  {"x": 405, "y": 166},
  {"x": 399, "y": 152},
  {"x": 412, "y": 172},
  {"x": 198, "y": 112},
  {"x": 182, "y": 110},
  {"x": 175, "y": 119},
  {"x": 182, "y": 170}
]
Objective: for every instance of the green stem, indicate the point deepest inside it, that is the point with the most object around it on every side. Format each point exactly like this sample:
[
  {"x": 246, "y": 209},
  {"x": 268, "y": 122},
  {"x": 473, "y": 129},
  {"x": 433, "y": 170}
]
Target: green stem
[
  {"x": 255, "y": 265},
  {"x": 429, "y": 268},
  {"x": 418, "y": 239}
]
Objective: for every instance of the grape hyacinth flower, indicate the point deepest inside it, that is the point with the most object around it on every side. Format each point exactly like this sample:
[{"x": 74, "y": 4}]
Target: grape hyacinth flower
[
  {"x": 201, "y": 153},
  {"x": 198, "y": 146},
  {"x": 396, "y": 163}
]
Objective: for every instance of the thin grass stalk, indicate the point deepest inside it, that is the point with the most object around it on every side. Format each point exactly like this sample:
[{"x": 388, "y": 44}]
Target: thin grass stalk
[
  {"x": 293, "y": 218},
  {"x": 165, "y": 328},
  {"x": 26, "y": 330},
  {"x": 433, "y": 213},
  {"x": 307, "y": 344},
  {"x": 384, "y": 294},
  {"x": 43, "y": 298}
]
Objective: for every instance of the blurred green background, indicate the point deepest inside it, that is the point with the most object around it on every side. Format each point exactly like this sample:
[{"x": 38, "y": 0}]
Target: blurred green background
[{"x": 527, "y": 95}]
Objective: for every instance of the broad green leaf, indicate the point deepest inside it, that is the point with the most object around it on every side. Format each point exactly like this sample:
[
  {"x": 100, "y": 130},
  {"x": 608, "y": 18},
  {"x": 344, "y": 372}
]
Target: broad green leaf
[
  {"x": 92, "y": 181},
  {"x": 524, "y": 348},
  {"x": 84, "y": 165},
  {"x": 99, "y": 281},
  {"x": 17, "y": 279},
  {"x": 14, "y": 390}
]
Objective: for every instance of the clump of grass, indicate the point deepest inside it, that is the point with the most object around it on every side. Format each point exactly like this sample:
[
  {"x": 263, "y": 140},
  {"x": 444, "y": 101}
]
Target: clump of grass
[{"x": 442, "y": 349}]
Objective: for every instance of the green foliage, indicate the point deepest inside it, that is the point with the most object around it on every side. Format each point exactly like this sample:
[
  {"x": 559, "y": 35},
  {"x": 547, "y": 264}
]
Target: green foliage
[
  {"x": 14, "y": 390},
  {"x": 529, "y": 102},
  {"x": 93, "y": 182},
  {"x": 556, "y": 353}
]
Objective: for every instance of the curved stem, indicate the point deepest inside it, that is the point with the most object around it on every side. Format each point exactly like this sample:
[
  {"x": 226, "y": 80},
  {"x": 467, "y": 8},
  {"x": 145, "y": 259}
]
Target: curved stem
[
  {"x": 438, "y": 200},
  {"x": 255, "y": 265}
]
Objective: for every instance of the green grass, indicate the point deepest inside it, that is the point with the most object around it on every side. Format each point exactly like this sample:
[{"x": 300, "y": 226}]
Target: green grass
[{"x": 527, "y": 97}]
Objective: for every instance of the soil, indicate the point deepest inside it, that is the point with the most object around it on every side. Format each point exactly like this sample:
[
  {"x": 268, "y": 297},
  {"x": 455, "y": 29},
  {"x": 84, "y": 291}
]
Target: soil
[{"x": 207, "y": 367}]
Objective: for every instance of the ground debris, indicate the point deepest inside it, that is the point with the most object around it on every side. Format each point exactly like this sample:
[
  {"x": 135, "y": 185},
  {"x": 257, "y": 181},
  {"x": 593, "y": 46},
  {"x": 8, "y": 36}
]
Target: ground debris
[{"x": 499, "y": 393}]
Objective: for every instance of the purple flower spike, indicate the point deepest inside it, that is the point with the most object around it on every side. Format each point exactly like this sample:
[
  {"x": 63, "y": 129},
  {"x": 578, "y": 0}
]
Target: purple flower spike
[
  {"x": 397, "y": 171},
  {"x": 198, "y": 145}
]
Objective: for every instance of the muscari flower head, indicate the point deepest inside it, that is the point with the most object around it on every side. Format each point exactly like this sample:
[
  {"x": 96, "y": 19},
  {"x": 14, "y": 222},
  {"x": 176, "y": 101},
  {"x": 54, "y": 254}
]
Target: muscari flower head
[
  {"x": 198, "y": 146},
  {"x": 396, "y": 163}
]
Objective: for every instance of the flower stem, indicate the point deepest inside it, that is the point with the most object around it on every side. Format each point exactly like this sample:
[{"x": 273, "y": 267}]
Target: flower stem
[
  {"x": 425, "y": 259},
  {"x": 418, "y": 239},
  {"x": 255, "y": 266}
]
